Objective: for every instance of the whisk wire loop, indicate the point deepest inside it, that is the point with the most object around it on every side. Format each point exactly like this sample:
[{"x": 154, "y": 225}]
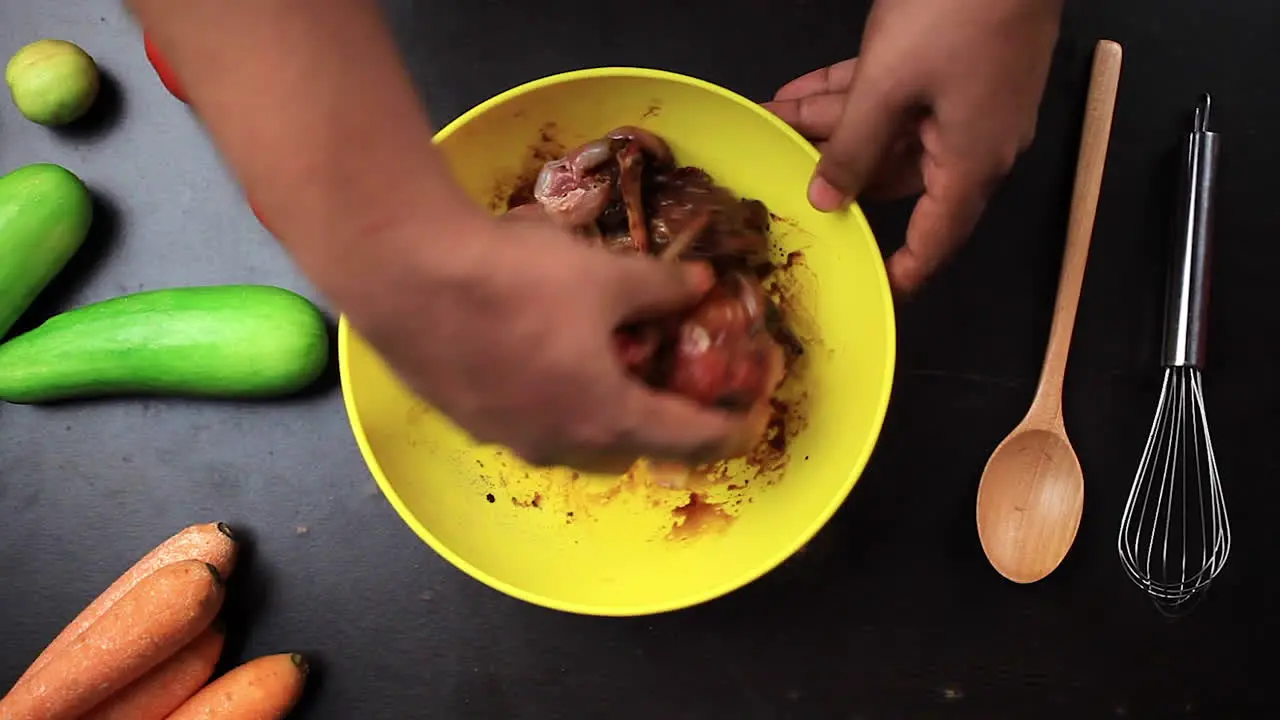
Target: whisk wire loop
[{"x": 1174, "y": 534}]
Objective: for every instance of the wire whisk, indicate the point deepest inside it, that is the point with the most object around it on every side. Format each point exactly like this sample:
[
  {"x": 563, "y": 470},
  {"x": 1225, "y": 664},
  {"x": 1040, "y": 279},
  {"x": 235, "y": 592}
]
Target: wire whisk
[{"x": 1174, "y": 534}]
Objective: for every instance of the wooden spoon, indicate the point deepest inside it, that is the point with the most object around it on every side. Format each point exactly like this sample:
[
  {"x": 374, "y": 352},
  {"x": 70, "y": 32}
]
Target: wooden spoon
[{"x": 1032, "y": 490}]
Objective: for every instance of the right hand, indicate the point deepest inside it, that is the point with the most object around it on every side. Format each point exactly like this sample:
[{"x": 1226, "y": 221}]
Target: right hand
[
  {"x": 510, "y": 333},
  {"x": 942, "y": 100}
]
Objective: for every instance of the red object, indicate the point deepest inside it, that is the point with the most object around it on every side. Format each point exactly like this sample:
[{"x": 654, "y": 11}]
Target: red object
[
  {"x": 636, "y": 346},
  {"x": 254, "y": 209},
  {"x": 161, "y": 66},
  {"x": 722, "y": 353}
]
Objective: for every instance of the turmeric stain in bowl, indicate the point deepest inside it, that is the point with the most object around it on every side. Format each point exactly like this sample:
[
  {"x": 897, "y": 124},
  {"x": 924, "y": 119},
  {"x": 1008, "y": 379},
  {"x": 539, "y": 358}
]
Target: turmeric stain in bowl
[{"x": 696, "y": 516}]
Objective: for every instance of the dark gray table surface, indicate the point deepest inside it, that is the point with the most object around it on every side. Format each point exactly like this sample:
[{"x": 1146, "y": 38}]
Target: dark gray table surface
[{"x": 892, "y": 611}]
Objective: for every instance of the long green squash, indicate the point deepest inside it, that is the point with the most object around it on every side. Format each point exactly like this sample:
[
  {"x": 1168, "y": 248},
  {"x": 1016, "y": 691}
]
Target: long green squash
[{"x": 223, "y": 341}]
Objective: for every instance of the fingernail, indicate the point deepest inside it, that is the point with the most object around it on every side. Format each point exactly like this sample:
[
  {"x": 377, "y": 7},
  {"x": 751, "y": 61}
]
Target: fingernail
[{"x": 823, "y": 196}]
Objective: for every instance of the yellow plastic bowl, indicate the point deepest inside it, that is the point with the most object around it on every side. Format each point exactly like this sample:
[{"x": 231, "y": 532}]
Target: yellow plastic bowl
[{"x": 611, "y": 546}]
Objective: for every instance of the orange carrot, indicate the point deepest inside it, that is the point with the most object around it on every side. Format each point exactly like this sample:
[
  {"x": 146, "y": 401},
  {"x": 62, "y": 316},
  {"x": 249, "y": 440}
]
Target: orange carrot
[
  {"x": 210, "y": 542},
  {"x": 263, "y": 689},
  {"x": 159, "y": 616},
  {"x": 158, "y": 693}
]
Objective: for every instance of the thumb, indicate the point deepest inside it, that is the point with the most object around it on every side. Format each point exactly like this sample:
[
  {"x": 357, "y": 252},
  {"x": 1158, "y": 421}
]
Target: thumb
[
  {"x": 644, "y": 288},
  {"x": 867, "y": 126}
]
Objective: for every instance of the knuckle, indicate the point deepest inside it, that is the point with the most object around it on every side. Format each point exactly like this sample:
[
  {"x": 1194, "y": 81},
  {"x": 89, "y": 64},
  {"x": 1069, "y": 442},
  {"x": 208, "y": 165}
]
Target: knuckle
[
  {"x": 840, "y": 168},
  {"x": 982, "y": 175},
  {"x": 1028, "y": 137},
  {"x": 1003, "y": 159}
]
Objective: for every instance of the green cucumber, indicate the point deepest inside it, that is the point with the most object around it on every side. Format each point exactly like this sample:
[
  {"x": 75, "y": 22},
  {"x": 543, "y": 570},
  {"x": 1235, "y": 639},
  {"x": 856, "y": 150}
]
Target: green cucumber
[
  {"x": 220, "y": 341},
  {"x": 45, "y": 214}
]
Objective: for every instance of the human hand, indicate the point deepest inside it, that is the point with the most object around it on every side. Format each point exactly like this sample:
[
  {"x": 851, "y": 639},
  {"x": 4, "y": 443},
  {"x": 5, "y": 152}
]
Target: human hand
[
  {"x": 506, "y": 326},
  {"x": 511, "y": 334},
  {"x": 942, "y": 100}
]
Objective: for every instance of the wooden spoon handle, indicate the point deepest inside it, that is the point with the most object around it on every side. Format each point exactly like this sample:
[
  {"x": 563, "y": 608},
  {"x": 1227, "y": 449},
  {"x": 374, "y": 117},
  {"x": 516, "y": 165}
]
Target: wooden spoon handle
[{"x": 1103, "y": 84}]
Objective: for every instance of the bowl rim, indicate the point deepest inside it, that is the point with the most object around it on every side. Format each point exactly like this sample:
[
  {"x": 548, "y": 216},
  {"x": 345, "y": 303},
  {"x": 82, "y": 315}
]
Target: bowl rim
[{"x": 687, "y": 600}]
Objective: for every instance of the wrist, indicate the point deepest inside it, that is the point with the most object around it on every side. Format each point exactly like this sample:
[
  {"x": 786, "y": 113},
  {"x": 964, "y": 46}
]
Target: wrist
[{"x": 390, "y": 267}]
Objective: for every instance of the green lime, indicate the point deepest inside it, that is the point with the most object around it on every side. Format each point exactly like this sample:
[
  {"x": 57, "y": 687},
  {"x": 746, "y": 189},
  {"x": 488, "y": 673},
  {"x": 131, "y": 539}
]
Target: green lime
[{"x": 53, "y": 82}]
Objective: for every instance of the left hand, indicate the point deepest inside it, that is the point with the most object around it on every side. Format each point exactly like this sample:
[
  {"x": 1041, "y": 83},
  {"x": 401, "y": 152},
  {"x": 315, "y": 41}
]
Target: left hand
[{"x": 942, "y": 100}]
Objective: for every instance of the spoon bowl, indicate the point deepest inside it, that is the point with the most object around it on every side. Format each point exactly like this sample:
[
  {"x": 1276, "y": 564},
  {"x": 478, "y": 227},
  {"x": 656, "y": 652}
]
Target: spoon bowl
[{"x": 1030, "y": 502}]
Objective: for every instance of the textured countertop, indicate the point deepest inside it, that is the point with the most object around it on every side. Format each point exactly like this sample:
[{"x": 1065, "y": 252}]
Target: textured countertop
[{"x": 892, "y": 611}]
